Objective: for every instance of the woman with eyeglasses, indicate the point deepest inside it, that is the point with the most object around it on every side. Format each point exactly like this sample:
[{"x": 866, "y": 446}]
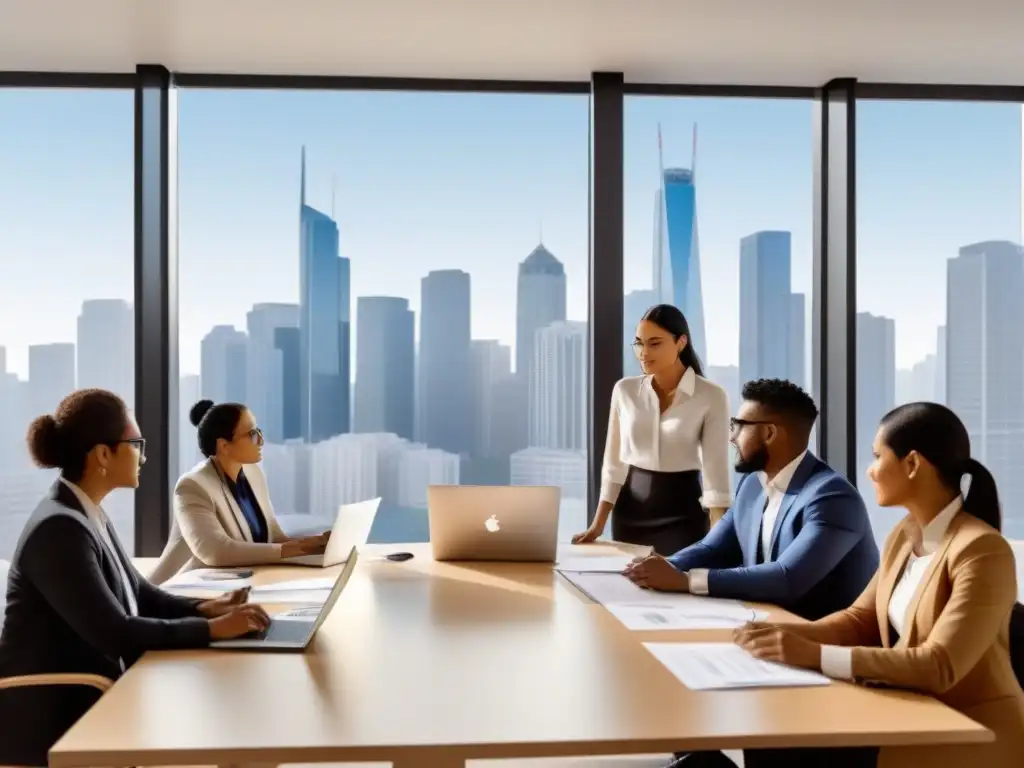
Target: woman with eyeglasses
[
  {"x": 666, "y": 458},
  {"x": 222, "y": 511},
  {"x": 75, "y": 602}
]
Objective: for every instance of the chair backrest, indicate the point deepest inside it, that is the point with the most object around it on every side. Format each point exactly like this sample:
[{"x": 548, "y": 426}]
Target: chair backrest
[
  {"x": 1017, "y": 642},
  {"x": 4, "y": 568}
]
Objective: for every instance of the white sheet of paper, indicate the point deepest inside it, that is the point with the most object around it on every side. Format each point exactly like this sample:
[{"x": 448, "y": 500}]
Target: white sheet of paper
[
  {"x": 655, "y": 617},
  {"x": 716, "y": 666},
  {"x": 615, "y": 589},
  {"x": 594, "y": 564},
  {"x": 192, "y": 581},
  {"x": 308, "y": 614},
  {"x": 292, "y": 597},
  {"x": 298, "y": 584}
]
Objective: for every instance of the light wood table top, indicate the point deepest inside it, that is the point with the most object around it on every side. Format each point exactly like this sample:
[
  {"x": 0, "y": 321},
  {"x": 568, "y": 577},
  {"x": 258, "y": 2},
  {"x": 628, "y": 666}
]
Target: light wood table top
[{"x": 443, "y": 662}]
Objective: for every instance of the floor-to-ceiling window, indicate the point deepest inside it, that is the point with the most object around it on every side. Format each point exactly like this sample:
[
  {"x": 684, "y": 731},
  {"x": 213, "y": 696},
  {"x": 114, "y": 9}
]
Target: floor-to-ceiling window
[
  {"x": 66, "y": 274},
  {"x": 719, "y": 222},
  {"x": 940, "y": 275},
  {"x": 395, "y": 283}
]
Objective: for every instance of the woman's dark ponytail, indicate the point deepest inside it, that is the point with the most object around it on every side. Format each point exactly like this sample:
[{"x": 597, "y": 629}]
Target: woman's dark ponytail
[
  {"x": 982, "y": 497},
  {"x": 690, "y": 359}
]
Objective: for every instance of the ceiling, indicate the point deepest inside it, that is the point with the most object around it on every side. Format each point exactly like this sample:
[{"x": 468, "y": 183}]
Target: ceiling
[{"x": 743, "y": 42}]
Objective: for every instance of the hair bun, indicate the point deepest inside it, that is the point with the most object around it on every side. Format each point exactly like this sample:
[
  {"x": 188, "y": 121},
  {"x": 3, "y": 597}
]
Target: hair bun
[
  {"x": 44, "y": 443},
  {"x": 200, "y": 409}
]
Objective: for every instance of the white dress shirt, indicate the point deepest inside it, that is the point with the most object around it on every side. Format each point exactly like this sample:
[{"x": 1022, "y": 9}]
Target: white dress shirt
[
  {"x": 99, "y": 520},
  {"x": 837, "y": 661},
  {"x": 775, "y": 490},
  {"x": 692, "y": 434}
]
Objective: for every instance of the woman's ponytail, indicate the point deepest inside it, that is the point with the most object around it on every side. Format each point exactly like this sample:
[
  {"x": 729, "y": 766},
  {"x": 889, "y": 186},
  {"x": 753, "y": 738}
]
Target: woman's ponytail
[{"x": 982, "y": 497}]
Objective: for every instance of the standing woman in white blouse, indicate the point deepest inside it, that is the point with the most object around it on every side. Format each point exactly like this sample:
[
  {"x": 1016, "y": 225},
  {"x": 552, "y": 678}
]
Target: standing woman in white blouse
[
  {"x": 666, "y": 459},
  {"x": 936, "y": 617}
]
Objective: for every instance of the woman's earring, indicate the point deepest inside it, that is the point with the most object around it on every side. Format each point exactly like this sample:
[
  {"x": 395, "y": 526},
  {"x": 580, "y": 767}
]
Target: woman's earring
[{"x": 103, "y": 471}]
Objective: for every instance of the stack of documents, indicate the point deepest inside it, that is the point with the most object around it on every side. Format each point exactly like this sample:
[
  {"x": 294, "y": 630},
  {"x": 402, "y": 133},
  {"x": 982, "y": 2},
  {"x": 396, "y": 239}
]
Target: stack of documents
[
  {"x": 204, "y": 580},
  {"x": 296, "y": 592},
  {"x": 645, "y": 609},
  {"x": 717, "y": 666},
  {"x": 594, "y": 564}
]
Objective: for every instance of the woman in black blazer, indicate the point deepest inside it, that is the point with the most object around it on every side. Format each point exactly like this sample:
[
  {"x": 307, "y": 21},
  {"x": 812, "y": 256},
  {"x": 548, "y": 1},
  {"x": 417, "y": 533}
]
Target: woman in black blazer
[{"x": 75, "y": 602}]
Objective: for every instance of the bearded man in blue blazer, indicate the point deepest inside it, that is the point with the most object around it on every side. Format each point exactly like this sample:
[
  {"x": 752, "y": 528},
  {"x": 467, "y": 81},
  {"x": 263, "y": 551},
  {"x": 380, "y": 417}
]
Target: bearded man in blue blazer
[{"x": 797, "y": 535}]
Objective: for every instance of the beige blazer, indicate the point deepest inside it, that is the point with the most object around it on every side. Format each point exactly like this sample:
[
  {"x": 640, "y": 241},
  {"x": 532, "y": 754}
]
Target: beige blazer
[
  {"x": 209, "y": 529},
  {"x": 955, "y": 646}
]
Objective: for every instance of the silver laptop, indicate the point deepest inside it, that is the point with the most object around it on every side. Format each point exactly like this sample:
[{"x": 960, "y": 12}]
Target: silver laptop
[
  {"x": 293, "y": 634},
  {"x": 514, "y": 523},
  {"x": 351, "y": 529}
]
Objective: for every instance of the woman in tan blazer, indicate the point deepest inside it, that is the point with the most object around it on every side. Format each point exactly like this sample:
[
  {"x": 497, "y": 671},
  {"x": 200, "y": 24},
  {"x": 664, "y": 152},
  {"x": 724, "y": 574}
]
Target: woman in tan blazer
[
  {"x": 222, "y": 511},
  {"x": 936, "y": 617}
]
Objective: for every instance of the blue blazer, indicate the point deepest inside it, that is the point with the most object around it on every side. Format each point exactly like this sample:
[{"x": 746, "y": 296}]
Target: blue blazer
[{"x": 823, "y": 553}]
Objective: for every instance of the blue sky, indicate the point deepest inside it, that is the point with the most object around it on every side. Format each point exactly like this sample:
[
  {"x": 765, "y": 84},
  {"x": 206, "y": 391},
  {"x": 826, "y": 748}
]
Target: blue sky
[{"x": 429, "y": 181}]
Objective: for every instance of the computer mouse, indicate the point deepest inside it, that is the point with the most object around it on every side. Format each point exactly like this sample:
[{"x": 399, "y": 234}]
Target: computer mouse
[{"x": 399, "y": 557}]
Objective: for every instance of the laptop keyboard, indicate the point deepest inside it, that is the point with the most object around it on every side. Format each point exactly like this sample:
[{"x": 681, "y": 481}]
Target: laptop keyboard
[{"x": 284, "y": 632}]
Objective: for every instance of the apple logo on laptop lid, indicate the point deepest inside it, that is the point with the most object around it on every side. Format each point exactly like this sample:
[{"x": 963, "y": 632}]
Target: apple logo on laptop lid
[{"x": 492, "y": 525}]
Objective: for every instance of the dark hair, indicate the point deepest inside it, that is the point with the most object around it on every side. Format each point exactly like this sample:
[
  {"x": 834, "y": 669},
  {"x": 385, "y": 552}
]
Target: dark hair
[
  {"x": 214, "y": 422},
  {"x": 937, "y": 433},
  {"x": 784, "y": 398},
  {"x": 84, "y": 419},
  {"x": 672, "y": 320}
]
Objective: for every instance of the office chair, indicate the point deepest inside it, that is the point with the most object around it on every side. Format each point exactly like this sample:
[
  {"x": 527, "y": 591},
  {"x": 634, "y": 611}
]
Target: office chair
[{"x": 25, "y": 681}]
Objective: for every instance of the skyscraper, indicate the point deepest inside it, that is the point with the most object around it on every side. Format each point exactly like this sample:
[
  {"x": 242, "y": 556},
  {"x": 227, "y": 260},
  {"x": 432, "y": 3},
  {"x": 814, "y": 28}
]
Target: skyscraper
[
  {"x": 765, "y": 306},
  {"x": 286, "y": 340},
  {"x": 444, "y": 361},
  {"x": 797, "y": 339},
  {"x": 558, "y": 388},
  {"x": 51, "y": 375},
  {"x": 940, "y": 364},
  {"x": 492, "y": 364},
  {"x": 222, "y": 371},
  {"x": 264, "y": 384},
  {"x": 188, "y": 441},
  {"x": 876, "y": 380},
  {"x": 106, "y": 347},
  {"x": 676, "y": 263},
  {"x": 324, "y": 324},
  {"x": 634, "y": 305},
  {"x": 385, "y": 366},
  {"x": 540, "y": 301},
  {"x": 985, "y": 363}
]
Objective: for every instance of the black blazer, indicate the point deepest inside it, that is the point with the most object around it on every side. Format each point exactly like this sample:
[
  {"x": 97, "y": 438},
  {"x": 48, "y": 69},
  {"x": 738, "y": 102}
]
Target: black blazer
[{"x": 67, "y": 611}]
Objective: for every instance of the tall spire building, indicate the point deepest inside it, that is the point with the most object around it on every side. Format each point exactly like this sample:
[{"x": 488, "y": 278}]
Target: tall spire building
[
  {"x": 676, "y": 262},
  {"x": 325, "y": 380}
]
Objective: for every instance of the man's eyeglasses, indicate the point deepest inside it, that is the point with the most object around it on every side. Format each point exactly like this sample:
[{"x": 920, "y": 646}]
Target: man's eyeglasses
[{"x": 735, "y": 425}]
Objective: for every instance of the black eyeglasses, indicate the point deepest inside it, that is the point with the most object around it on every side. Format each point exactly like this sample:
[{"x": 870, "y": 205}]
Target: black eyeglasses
[
  {"x": 255, "y": 435},
  {"x": 735, "y": 425},
  {"x": 139, "y": 443}
]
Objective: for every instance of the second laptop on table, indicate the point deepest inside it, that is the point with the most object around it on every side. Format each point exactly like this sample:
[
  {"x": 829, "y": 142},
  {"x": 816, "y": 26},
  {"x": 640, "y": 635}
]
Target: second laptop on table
[{"x": 351, "y": 529}]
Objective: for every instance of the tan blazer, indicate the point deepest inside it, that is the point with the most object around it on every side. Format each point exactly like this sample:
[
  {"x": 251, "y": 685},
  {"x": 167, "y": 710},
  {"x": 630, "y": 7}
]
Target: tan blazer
[
  {"x": 954, "y": 647},
  {"x": 209, "y": 529}
]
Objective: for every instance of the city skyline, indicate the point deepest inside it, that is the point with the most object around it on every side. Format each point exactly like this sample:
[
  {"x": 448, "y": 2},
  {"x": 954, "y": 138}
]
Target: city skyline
[
  {"x": 490, "y": 191},
  {"x": 233, "y": 153}
]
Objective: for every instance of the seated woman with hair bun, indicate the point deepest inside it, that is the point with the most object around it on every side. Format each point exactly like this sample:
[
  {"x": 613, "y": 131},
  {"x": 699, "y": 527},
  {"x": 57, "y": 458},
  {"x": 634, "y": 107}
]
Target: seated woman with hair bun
[
  {"x": 222, "y": 511},
  {"x": 75, "y": 602}
]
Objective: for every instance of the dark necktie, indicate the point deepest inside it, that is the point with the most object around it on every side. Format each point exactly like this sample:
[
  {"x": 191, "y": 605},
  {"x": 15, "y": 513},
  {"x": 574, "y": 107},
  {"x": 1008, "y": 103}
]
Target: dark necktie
[{"x": 759, "y": 559}]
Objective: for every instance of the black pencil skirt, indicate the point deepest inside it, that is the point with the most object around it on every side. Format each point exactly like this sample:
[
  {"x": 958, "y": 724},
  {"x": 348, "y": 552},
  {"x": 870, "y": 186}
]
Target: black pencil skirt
[{"x": 660, "y": 510}]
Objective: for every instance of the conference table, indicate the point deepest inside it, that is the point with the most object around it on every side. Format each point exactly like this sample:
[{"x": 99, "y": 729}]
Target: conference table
[{"x": 426, "y": 663}]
